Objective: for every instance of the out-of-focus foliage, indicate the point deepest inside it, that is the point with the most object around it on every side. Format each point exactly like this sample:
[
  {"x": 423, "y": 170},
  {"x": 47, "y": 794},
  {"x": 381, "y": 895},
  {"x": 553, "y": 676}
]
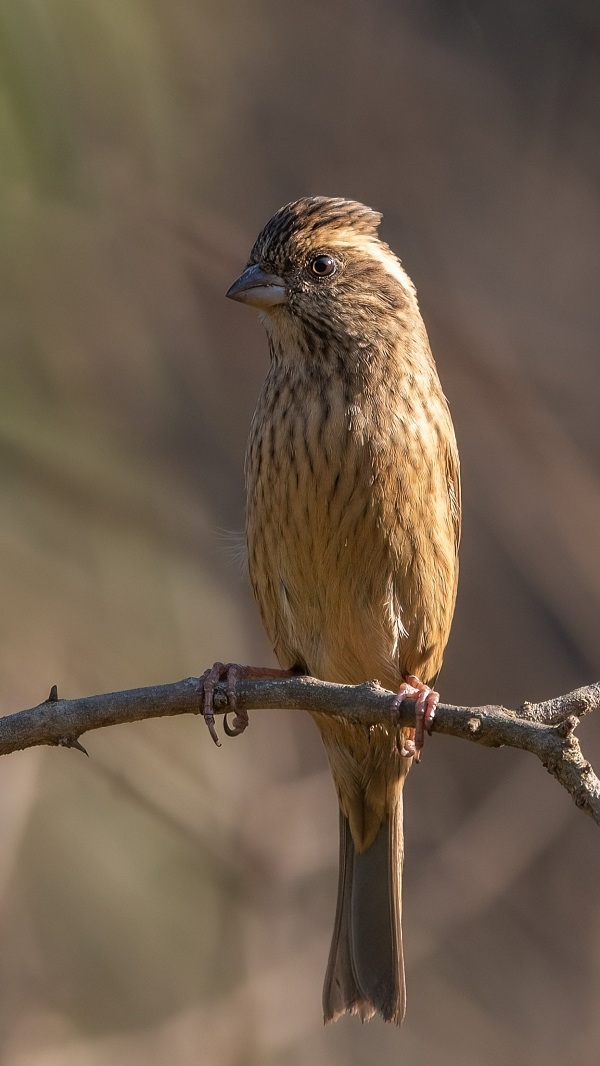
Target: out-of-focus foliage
[{"x": 165, "y": 901}]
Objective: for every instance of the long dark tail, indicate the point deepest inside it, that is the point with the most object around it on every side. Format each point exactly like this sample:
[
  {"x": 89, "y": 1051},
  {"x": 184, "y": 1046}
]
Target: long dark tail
[{"x": 365, "y": 972}]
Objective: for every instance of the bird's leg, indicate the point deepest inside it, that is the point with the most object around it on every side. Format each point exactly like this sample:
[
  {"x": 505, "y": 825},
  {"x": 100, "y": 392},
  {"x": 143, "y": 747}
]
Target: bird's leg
[
  {"x": 426, "y": 701},
  {"x": 231, "y": 673}
]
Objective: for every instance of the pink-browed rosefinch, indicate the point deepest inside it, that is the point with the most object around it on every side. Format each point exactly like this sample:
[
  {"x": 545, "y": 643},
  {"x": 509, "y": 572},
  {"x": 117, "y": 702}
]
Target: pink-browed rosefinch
[{"x": 353, "y": 521}]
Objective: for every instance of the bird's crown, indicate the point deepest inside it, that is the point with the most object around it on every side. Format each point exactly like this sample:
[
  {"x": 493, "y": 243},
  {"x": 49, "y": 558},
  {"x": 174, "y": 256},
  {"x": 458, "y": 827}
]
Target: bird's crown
[{"x": 315, "y": 219}]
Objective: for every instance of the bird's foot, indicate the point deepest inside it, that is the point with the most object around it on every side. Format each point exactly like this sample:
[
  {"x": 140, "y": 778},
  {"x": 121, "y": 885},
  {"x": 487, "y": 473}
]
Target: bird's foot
[
  {"x": 230, "y": 673},
  {"x": 426, "y": 701}
]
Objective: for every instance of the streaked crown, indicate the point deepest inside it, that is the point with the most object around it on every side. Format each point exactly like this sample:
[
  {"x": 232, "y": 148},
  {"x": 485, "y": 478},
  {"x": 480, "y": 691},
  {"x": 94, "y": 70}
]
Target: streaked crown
[{"x": 313, "y": 219}]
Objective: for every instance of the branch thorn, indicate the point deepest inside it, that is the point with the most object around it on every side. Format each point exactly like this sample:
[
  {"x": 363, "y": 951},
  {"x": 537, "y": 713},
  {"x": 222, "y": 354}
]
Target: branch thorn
[{"x": 73, "y": 742}]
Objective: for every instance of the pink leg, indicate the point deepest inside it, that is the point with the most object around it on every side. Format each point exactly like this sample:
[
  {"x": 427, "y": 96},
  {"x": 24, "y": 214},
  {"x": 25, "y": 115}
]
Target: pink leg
[
  {"x": 426, "y": 701},
  {"x": 231, "y": 673}
]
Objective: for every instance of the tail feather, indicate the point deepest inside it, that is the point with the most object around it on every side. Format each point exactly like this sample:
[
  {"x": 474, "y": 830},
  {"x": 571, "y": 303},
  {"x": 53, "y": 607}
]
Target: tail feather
[
  {"x": 365, "y": 972},
  {"x": 340, "y": 991}
]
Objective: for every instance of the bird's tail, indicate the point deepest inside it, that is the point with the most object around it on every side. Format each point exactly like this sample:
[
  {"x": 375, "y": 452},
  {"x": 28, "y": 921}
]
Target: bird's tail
[{"x": 365, "y": 972}]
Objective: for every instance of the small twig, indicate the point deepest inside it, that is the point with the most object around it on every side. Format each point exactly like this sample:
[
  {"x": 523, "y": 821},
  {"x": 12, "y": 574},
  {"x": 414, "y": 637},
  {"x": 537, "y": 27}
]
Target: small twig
[{"x": 545, "y": 729}]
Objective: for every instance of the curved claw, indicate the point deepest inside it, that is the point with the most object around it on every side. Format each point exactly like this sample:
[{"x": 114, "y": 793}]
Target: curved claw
[
  {"x": 408, "y": 750},
  {"x": 240, "y": 722},
  {"x": 206, "y": 689},
  {"x": 212, "y": 729}
]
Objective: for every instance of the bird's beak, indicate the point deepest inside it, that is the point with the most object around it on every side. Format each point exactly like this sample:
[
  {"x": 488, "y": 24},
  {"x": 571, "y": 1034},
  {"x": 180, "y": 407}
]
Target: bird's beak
[{"x": 258, "y": 288}]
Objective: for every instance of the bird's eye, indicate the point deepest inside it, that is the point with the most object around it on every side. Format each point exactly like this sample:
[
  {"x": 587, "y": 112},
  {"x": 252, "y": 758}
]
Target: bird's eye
[{"x": 323, "y": 266}]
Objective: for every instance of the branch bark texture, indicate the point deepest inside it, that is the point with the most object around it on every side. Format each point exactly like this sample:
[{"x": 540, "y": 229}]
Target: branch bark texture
[{"x": 544, "y": 729}]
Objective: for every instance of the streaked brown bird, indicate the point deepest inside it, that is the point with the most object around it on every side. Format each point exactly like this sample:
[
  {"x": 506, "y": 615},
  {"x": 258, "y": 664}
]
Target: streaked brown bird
[{"x": 353, "y": 520}]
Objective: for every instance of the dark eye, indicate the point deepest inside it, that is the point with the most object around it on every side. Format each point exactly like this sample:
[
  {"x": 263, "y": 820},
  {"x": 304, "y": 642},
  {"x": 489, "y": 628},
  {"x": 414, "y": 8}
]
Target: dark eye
[{"x": 323, "y": 266}]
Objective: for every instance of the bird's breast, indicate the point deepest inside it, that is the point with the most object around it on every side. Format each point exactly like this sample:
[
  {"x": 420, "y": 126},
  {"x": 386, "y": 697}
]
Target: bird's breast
[{"x": 319, "y": 553}]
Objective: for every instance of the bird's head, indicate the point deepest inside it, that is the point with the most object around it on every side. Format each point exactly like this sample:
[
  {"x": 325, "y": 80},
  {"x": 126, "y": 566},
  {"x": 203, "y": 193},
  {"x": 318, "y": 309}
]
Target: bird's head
[{"x": 319, "y": 271}]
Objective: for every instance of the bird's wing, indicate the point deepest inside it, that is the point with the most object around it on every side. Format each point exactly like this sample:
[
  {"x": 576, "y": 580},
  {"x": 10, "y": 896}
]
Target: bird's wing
[{"x": 453, "y": 476}]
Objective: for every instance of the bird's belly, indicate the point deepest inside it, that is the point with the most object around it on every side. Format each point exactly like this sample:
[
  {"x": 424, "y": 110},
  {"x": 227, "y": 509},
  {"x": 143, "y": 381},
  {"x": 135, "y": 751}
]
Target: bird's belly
[{"x": 321, "y": 571}]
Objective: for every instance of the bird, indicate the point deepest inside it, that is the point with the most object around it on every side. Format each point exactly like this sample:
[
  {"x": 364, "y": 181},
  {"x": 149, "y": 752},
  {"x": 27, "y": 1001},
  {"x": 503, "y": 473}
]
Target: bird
[{"x": 352, "y": 528}]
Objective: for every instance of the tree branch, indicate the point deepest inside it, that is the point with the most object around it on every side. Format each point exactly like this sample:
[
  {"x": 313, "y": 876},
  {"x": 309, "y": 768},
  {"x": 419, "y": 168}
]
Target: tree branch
[{"x": 545, "y": 729}]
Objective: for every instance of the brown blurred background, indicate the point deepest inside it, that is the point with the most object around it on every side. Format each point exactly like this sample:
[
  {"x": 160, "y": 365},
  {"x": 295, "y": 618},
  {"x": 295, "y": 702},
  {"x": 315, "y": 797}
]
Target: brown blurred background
[{"x": 167, "y": 902}]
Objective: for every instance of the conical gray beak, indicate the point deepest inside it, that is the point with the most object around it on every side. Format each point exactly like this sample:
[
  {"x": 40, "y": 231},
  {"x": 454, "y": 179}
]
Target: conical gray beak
[{"x": 257, "y": 288}]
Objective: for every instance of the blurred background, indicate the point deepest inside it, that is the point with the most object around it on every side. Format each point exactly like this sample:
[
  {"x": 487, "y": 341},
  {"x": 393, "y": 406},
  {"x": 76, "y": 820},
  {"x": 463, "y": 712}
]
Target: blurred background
[{"x": 165, "y": 901}]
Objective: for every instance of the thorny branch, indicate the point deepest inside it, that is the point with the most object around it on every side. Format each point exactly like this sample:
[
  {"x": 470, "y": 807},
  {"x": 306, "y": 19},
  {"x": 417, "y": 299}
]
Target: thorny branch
[{"x": 545, "y": 729}]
